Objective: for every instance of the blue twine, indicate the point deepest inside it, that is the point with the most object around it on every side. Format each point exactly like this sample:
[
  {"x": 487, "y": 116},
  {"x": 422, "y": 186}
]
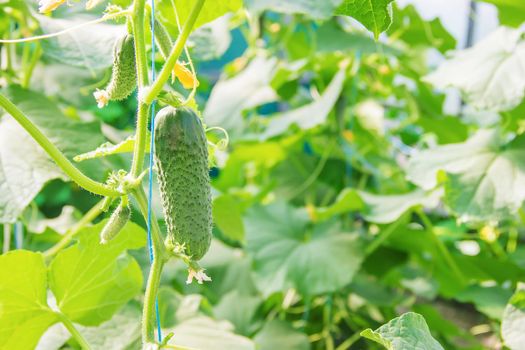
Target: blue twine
[
  {"x": 151, "y": 151},
  {"x": 19, "y": 235}
]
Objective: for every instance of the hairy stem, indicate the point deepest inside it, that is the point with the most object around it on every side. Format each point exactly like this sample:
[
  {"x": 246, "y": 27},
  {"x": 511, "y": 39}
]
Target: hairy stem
[
  {"x": 74, "y": 332},
  {"x": 148, "y": 311},
  {"x": 92, "y": 214},
  {"x": 138, "y": 18},
  {"x": 166, "y": 70},
  {"x": 139, "y": 150},
  {"x": 60, "y": 159}
]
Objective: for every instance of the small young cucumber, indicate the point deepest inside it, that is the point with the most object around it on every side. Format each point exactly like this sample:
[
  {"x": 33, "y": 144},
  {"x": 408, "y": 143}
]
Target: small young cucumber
[
  {"x": 181, "y": 156},
  {"x": 123, "y": 76},
  {"x": 116, "y": 222}
]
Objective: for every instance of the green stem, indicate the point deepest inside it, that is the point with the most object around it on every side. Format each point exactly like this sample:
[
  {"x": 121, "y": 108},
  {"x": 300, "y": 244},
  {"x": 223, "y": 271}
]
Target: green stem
[
  {"x": 138, "y": 19},
  {"x": 60, "y": 159},
  {"x": 140, "y": 140},
  {"x": 148, "y": 311},
  {"x": 166, "y": 70},
  {"x": 440, "y": 245},
  {"x": 140, "y": 42},
  {"x": 383, "y": 236},
  {"x": 31, "y": 66},
  {"x": 159, "y": 259},
  {"x": 91, "y": 215},
  {"x": 74, "y": 332}
]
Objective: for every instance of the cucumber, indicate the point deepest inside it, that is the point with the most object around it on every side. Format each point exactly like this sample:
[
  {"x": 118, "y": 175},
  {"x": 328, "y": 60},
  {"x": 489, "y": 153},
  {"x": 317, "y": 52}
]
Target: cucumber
[
  {"x": 181, "y": 157},
  {"x": 116, "y": 223},
  {"x": 123, "y": 76}
]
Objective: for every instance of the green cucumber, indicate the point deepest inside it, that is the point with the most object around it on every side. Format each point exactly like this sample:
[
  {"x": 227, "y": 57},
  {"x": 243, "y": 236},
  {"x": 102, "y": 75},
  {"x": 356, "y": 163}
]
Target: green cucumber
[
  {"x": 116, "y": 223},
  {"x": 181, "y": 157},
  {"x": 123, "y": 76}
]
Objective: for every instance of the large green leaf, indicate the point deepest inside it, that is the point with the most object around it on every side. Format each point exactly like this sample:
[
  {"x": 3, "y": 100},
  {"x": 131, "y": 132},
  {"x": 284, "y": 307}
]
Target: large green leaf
[
  {"x": 90, "y": 46},
  {"x": 485, "y": 176},
  {"x": 511, "y": 12},
  {"x": 513, "y": 322},
  {"x": 24, "y": 314},
  {"x": 490, "y": 74},
  {"x": 25, "y": 168},
  {"x": 375, "y": 15},
  {"x": 310, "y": 115},
  {"x": 277, "y": 334},
  {"x": 312, "y": 8},
  {"x": 205, "y": 333},
  {"x": 92, "y": 281},
  {"x": 289, "y": 252},
  {"x": 408, "y": 331},
  {"x": 230, "y": 97}
]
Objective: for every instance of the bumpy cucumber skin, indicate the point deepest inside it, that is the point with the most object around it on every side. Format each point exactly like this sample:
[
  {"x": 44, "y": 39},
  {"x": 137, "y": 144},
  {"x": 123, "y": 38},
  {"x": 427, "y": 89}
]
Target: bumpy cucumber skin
[
  {"x": 181, "y": 156},
  {"x": 124, "y": 75},
  {"x": 115, "y": 224}
]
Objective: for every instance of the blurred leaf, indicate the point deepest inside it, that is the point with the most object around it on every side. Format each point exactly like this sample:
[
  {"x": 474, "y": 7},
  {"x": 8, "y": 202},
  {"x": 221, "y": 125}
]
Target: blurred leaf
[
  {"x": 228, "y": 217},
  {"x": 408, "y": 331},
  {"x": 380, "y": 209},
  {"x": 211, "y": 41},
  {"x": 384, "y": 209},
  {"x": 205, "y": 333},
  {"x": 90, "y": 46},
  {"x": 25, "y": 167},
  {"x": 37, "y": 223},
  {"x": 289, "y": 252},
  {"x": 230, "y": 269},
  {"x": 375, "y": 15},
  {"x": 239, "y": 309},
  {"x": 488, "y": 74},
  {"x": 210, "y": 11},
  {"x": 121, "y": 331},
  {"x": 484, "y": 179},
  {"x": 489, "y": 300},
  {"x": 312, "y": 8},
  {"x": 348, "y": 200},
  {"x": 25, "y": 314},
  {"x": 331, "y": 37},
  {"x": 230, "y": 97},
  {"x": 511, "y": 12},
  {"x": 513, "y": 321},
  {"x": 92, "y": 281},
  {"x": 277, "y": 334},
  {"x": 310, "y": 115},
  {"x": 409, "y": 27}
]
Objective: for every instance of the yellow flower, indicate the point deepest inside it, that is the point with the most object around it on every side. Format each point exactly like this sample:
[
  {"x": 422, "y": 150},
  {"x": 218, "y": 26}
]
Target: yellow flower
[
  {"x": 185, "y": 76},
  {"x": 49, "y": 5}
]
